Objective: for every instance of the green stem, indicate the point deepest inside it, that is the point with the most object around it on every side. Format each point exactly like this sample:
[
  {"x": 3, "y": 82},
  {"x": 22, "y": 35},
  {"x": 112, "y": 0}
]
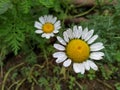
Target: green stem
[
  {"x": 32, "y": 86},
  {"x": 36, "y": 65},
  {"x": 31, "y": 71},
  {"x": 45, "y": 56},
  {"x": 116, "y": 37},
  {"x": 13, "y": 84},
  {"x": 84, "y": 13},
  {"x": 2, "y": 56},
  {"x": 79, "y": 85},
  {"x": 19, "y": 84},
  {"x": 34, "y": 80},
  {"x": 6, "y": 75},
  {"x": 1, "y": 71},
  {"x": 105, "y": 84}
]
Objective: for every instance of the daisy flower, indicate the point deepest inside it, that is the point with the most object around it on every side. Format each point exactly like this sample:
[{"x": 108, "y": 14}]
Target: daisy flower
[
  {"x": 77, "y": 47},
  {"x": 47, "y": 26}
]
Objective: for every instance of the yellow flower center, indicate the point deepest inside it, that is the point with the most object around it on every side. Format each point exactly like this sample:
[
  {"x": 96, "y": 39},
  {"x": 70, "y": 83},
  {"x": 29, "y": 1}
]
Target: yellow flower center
[
  {"x": 48, "y": 27},
  {"x": 77, "y": 50}
]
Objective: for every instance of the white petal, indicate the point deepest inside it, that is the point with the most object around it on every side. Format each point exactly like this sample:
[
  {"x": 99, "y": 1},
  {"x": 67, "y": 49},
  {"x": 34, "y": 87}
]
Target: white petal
[
  {"x": 58, "y": 27},
  {"x": 51, "y": 34},
  {"x": 82, "y": 68},
  {"x": 80, "y": 28},
  {"x": 99, "y": 53},
  {"x": 77, "y": 32},
  {"x": 38, "y": 25},
  {"x": 65, "y": 36},
  {"x": 59, "y": 60},
  {"x": 79, "y": 68},
  {"x": 45, "y": 18},
  {"x": 84, "y": 33},
  {"x": 59, "y": 47},
  {"x": 67, "y": 63},
  {"x": 47, "y": 35},
  {"x": 86, "y": 64},
  {"x": 89, "y": 35},
  {"x": 54, "y": 20},
  {"x": 96, "y": 55},
  {"x": 93, "y": 65},
  {"x": 76, "y": 67},
  {"x": 92, "y": 39},
  {"x": 50, "y": 17},
  {"x": 42, "y": 20},
  {"x": 70, "y": 33},
  {"x": 80, "y": 31},
  {"x": 59, "y": 54},
  {"x": 55, "y": 31},
  {"x": 57, "y": 24},
  {"x": 96, "y": 46},
  {"x": 39, "y": 31},
  {"x": 61, "y": 40}
]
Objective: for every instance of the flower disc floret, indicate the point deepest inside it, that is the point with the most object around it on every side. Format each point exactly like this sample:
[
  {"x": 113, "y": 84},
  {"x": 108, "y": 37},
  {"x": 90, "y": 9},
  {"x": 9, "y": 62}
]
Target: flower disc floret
[
  {"x": 48, "y": 28},
  {"x": 77, "y": 50}
]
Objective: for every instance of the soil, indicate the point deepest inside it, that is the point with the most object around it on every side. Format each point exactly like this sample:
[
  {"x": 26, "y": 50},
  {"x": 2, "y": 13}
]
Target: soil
[{"x": 96, "y": 84}]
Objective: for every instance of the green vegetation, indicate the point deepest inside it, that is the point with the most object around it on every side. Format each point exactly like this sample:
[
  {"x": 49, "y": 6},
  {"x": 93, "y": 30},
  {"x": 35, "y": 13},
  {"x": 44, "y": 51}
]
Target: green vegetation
[{"x": 26, "y": 58}]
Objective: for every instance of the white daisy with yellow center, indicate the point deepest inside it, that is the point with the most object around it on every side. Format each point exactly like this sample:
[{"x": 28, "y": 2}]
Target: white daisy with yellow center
[
  {"x": 78, "y": 48},
  {"x": 48, "y": 26}
]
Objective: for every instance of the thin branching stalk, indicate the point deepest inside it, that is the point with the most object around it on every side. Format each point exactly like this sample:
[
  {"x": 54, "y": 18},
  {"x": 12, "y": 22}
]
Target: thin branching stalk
[
  {"x": 13, "y": 84},
  {"x": 34, "y": 79},
  {"x": 20, "y": 83},
  {"x": 46, "y": 58},
  {"x": 36, "y": 65},
  {"x": 84, "y": 13},
  {"x": 1, "y": 68},
  {"x": 32, "y": 86},
  {"x": 31, "y": 72},
  {"x": 78, "y": 85},
  {"x": 105, "y": 84},
  {"x": 7, "y": 74}
]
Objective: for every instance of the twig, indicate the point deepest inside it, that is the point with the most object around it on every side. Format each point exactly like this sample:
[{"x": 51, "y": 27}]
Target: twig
[
  {"x": 6, "y": 75},
  {"x": 31, "y": 71},
  {"x": 45, "y": 56},
  {"x": 1, "y": 71},
  {"x": 32, "y": 86},
  {"x": 34, "y": 79},
  {"x": 105, "y": 84},
  {"x": 13, "y": 84},
  {"x": 84, "y": 13},
  {"x": 19, "y": 84},
  {"x": 92, "y": 2},
  {"x": 78, "y": 85}
]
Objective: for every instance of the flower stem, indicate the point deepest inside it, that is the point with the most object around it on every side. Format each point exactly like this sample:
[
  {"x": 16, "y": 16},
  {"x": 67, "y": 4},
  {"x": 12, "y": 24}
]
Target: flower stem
[{"x": 84, "y": 13}]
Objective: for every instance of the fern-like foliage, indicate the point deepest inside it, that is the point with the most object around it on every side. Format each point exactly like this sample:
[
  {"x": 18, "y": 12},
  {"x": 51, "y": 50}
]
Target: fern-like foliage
[
  {"x": 5, "y": 5},
  {"x": 14, "y": 40},
  {"x": 47, "y": 3},
  {"x": 25, "y": 6},
  {"x": 13, "y": 30},
  {"x": 13, "y": 37}
]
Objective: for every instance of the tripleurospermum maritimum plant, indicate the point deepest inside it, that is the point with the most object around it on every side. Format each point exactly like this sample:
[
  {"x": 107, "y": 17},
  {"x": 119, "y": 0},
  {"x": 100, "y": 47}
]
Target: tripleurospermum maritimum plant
[
  {"x": 47, "y": 26},
  {"x": 78, "y": 48}
]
